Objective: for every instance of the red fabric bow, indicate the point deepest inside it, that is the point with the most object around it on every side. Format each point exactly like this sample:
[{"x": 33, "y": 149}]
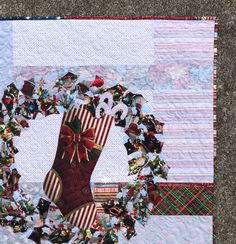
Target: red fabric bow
[{"x": 77, "y": 144}]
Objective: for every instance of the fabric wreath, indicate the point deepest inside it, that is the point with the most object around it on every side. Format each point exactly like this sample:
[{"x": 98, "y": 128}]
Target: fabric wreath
[{"x": 135, "y": 200}]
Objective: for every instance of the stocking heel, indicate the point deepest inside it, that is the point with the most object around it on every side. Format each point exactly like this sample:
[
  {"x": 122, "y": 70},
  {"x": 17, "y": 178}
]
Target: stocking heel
[{"x": 53, "y": 186}]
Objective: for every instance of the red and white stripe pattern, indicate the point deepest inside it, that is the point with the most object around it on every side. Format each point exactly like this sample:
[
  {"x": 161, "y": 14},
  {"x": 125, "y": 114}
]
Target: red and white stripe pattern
[
  {"x": 102, "y": 125},
  {"x": 104, "y": 192},
  {"x": 52, "y": 185},
  {"x": 84, "y": 217}
]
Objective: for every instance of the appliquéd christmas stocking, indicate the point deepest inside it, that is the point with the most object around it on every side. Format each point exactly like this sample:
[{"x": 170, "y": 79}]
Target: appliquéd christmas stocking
[{"x": 67, "y": 184}]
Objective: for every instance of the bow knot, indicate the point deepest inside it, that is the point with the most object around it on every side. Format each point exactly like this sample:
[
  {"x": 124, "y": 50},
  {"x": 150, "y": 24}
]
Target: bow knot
[{"x": 76, "y": 137}]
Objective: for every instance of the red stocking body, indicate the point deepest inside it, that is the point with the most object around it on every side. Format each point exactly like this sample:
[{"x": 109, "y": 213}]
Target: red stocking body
[{"x": 67, "y": 184}]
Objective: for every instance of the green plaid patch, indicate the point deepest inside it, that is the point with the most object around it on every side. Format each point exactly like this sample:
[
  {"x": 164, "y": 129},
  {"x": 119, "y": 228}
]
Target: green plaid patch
[{"x": 186, "y": 199}]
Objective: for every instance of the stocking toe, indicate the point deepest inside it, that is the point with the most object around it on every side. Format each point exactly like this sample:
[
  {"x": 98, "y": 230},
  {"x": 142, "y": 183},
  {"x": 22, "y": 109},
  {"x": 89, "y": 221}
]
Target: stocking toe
[{"x": 84, "y": 216}]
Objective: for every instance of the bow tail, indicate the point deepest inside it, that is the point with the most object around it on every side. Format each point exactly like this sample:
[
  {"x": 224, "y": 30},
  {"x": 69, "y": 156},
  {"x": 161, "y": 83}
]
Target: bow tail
[
  {"x": 73, "y": 154},
  {"x": 70, "y": 151},
  {"x": 82, "y": 152}
]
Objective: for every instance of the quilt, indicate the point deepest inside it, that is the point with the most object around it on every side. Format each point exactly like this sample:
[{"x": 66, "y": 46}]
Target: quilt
[{"x": 107, "y": 130}]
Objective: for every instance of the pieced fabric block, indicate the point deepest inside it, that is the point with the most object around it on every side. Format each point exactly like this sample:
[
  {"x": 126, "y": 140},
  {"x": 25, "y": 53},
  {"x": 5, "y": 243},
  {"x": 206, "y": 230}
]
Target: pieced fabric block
[{"x": 107, "y": 129}]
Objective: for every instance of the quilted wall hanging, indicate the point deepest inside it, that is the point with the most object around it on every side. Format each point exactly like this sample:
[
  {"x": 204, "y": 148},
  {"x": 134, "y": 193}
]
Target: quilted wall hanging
[{"x": 107, "y": 130}]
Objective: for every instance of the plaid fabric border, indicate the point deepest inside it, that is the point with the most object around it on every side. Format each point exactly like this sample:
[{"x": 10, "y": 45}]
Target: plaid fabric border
[
  {"x": 176, "y": 198},
  {"x": 186, "y": 199}
]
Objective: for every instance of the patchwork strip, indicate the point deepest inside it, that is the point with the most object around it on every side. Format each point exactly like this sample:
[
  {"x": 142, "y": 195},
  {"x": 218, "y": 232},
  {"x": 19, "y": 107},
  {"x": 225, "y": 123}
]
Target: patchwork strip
[
  {"x": 176, "y": 198},
  {"x": 104, "y": 192}
]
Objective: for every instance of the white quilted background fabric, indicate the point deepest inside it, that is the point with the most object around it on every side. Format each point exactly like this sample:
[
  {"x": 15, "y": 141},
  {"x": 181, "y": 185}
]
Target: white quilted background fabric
[
  {"x": 119, "y": 42},
  {"x": 166, "y": 56},
  {"x": 159, "y": 230}
]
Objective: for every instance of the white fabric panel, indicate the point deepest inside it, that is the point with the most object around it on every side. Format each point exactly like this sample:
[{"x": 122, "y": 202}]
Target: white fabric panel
[
  {"x": 174, "y": 230},
  {"x": 84, "y": 42}
]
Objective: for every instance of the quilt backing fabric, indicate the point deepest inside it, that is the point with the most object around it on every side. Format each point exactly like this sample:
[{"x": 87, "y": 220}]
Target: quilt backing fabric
[{"x": 107, "y": 130}]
